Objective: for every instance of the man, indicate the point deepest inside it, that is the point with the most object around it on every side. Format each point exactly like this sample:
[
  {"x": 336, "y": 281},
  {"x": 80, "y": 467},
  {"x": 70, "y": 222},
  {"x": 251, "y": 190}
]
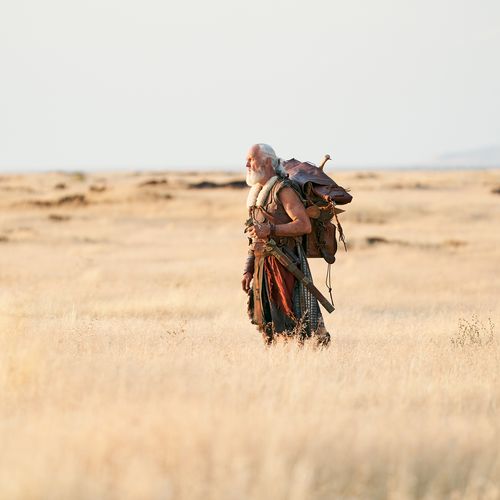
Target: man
[{"x": 279, "y": 304}]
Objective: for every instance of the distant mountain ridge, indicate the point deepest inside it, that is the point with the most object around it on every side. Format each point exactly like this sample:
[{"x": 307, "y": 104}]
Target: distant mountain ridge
[{"x": 481, "y": 157}]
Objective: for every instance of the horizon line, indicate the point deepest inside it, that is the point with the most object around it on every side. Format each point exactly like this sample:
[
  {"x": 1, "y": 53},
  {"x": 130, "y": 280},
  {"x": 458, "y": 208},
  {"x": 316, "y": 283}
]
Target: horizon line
[{"x": 234, "y": 169}]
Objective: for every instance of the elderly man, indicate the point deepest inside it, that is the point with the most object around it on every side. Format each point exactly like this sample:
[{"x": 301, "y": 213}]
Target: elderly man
[{"x": 279, "y": 304}]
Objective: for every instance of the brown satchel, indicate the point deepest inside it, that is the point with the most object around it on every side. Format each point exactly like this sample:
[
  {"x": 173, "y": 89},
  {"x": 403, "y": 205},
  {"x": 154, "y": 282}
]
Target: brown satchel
[{"x": 320, "y": 195}]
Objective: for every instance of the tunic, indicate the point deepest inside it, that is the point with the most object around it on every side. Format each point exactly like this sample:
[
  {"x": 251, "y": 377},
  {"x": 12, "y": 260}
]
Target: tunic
[{"x": 279, "y": 304}]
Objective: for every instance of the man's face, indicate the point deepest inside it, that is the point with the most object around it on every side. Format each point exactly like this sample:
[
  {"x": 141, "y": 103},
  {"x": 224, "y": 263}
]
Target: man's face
[{"x": 255, "y": 166}]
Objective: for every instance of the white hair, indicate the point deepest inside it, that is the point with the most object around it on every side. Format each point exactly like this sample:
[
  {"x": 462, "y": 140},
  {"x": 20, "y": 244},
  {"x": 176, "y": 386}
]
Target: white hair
[{"x": 268, "y": 152}]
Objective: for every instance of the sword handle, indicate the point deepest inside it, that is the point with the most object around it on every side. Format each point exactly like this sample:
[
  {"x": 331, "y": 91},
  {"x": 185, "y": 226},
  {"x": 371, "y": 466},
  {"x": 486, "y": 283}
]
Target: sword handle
[{"x": 323, "y": 161}]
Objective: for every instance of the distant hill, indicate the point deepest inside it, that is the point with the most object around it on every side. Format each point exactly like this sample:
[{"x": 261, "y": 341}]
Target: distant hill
[{"x": 481, "y": 157}]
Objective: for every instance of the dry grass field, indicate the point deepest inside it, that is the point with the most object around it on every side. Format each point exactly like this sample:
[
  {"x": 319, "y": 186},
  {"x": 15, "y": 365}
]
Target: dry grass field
[{"x": 129, "y": 370}]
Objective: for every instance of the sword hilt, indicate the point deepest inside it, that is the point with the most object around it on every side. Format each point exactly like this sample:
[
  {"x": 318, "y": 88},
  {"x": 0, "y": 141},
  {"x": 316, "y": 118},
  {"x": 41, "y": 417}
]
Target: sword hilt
[{"x": 323, "y": 161}]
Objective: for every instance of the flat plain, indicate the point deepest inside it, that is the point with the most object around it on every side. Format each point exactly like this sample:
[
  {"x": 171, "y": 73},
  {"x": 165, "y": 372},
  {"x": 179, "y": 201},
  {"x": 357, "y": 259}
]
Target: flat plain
[{"x": 129, "y": 370}]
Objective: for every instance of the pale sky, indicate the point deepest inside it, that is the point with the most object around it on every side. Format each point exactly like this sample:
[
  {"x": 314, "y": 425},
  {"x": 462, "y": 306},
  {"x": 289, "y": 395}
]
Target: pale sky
[{"x": 158, "y": 84}]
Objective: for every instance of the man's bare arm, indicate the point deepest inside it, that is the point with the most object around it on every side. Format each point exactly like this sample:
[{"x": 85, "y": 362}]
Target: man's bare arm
[{"x": 300, "y": 223}]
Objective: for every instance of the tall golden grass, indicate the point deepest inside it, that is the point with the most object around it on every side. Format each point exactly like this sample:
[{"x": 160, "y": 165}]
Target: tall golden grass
[{"x": 128, "y": 368}]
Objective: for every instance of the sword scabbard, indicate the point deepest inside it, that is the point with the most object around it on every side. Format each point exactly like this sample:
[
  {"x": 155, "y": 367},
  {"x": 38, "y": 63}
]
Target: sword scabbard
[{"x": 273, "y": 249}]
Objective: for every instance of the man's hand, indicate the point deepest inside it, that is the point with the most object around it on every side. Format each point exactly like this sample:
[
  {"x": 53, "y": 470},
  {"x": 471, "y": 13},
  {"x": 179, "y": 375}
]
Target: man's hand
[
  {"x": 245, "y": 282},
  {"x": 259, "y": 231}
]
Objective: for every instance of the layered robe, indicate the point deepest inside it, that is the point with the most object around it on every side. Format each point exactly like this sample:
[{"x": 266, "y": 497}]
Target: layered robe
[{"x": 278, "y": 302}]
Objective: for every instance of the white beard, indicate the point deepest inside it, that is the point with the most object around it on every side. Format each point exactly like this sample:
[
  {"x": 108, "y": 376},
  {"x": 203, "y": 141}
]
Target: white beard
[{"x": 254, "y": 176}]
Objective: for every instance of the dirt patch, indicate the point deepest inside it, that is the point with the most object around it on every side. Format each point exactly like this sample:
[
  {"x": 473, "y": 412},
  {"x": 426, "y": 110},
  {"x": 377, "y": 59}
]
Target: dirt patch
[
  {"x": 454, "y": 243},
  {"x": 366, "y": 175},
  {"x": 410, "y": 185},
  {"x": 217, "y": 185},
  {"x": 96, "y": 188},
  {"x": 375, "y": 240},
  {"x": 73, "y": 200},
  {"x": 160, "y": 196},
  {"x": 3, "y": 238},
  {"x": 153, "y": 182},
  {"x": 380, "y": 240},
  {"x": 59, "y": 217},
  {"x": 60, "y": 185},
  {"x": 90, "y": 241}
]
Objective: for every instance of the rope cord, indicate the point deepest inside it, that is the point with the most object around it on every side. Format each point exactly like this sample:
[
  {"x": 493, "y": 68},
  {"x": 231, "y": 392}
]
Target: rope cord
[
  {"x": 341, "y": 231},
  {"x": 328, "y": 282}
]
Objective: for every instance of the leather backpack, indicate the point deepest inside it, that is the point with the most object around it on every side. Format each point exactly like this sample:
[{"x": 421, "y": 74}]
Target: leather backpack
[{"x": 320, "y": 195}]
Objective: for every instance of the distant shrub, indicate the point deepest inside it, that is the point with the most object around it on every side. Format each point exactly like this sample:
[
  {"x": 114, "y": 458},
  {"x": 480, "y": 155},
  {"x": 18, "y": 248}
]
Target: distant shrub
[
  {"x": 473, "y": 333},
  {"x": 79, "y": 176}
]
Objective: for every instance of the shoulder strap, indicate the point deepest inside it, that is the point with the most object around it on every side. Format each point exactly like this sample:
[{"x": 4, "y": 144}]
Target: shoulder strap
[{"x": 286, "y": 182}]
